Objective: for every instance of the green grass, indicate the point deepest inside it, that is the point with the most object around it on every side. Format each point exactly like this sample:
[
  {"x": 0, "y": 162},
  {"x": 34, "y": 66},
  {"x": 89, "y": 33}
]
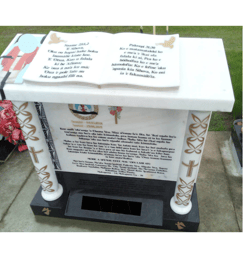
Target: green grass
[
  {"x": 231, "y": 35},
  {"x": 217, "y": 122}
]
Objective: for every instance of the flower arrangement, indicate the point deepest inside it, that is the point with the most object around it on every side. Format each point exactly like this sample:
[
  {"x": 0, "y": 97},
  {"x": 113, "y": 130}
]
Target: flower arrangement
[{"x": 9, "y": 126}]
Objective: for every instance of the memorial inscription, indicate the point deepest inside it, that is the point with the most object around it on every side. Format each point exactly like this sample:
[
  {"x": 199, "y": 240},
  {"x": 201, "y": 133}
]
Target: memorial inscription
[
  {"x": 70, "y": 62},
  {"x": 143, "y": 144}
]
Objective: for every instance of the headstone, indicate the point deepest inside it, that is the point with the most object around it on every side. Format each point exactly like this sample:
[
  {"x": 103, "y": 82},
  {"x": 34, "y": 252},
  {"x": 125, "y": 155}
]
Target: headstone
[{"x": 124, "y": 154}]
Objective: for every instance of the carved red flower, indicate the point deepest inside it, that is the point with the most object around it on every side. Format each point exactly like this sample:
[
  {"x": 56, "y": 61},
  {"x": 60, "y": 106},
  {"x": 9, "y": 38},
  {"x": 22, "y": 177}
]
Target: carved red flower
[{"x": 119, "y": 109}]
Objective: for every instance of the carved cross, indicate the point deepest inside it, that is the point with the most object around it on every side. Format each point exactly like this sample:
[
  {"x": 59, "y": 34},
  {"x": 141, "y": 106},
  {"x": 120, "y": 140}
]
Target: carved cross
[
  {"x": 33, "y": 152},
  {"x": 190, "y": 167}
]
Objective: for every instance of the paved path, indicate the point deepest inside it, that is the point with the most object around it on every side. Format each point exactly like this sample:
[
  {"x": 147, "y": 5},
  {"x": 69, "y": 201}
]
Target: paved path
[{"x": 219, "y": 190}]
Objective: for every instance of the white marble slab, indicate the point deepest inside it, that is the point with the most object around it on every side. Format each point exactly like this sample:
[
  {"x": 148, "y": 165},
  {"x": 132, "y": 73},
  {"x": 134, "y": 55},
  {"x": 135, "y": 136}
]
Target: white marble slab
[
  {"x": 204, "y": 75},
  {"x": 141, "y": 142}
]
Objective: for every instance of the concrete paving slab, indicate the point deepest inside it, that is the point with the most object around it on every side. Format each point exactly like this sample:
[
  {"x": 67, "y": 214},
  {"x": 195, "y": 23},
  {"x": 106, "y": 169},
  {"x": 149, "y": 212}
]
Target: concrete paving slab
[
  {"x": 13, "y": 174},
  {"x": 216, "y": 209},
  {"x": 232, "y": 173}
]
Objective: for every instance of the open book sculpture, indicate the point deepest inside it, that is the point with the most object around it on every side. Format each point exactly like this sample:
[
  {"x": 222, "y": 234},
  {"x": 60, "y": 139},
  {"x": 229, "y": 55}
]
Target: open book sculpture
[{"x": 100, "y": 58}]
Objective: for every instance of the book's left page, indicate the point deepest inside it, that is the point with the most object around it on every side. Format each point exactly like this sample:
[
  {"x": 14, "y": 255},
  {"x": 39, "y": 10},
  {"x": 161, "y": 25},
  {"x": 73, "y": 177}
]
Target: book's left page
[{"x": 70, "y": 57}]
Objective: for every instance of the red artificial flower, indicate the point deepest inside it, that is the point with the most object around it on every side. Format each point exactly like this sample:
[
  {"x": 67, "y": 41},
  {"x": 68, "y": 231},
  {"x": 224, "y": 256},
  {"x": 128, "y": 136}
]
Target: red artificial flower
[
  {"x": 16, "y": 134},
  {"x": 7, "y": 113},
  {"x": 22, "y": 147},
  {"x": 119, "y": 109},
  {"x": 6, "y": 104},
  {"x": 22, "y": 136},
  {"x": 9, "y": 126},
  {"x": 6, "y": 128},
  {"x": 113, "y": 112},
  {"x": 15, "y": 123},
  {"x": 10, "y": 139}
]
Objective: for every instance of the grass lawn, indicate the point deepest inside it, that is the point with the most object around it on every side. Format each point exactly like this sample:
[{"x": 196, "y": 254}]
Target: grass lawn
[{"x": 231, "y": 35}]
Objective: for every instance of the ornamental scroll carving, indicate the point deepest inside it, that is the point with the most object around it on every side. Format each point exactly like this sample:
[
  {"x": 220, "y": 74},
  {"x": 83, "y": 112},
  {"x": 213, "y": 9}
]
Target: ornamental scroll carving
[
  {"x": 26, "y": 122},
  {"x": 46, "y": 184},
  {"x": 185, "y": 190},
  {"x": 197, "y": 136}
]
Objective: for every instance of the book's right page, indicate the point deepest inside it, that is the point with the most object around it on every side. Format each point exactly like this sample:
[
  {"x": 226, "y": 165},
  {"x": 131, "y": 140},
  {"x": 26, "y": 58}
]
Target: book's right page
[{"x": 143, "y": 60}]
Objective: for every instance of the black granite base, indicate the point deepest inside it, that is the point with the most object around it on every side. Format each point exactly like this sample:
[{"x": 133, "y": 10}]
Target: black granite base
[
  {"x": 6, "y": 149},
  {"x": 112, "y": 199}
]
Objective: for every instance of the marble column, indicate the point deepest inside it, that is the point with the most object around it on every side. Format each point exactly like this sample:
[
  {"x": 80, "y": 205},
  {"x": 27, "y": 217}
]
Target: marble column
[
  {"x": 35, "y": 140},
  {"x": 195, "y": 137}
]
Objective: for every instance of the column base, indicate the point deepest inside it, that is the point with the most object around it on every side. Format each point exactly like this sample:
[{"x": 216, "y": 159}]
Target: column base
[
  {"x": 53, "y": 196},
  {"x": 182, "y": 210}
]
